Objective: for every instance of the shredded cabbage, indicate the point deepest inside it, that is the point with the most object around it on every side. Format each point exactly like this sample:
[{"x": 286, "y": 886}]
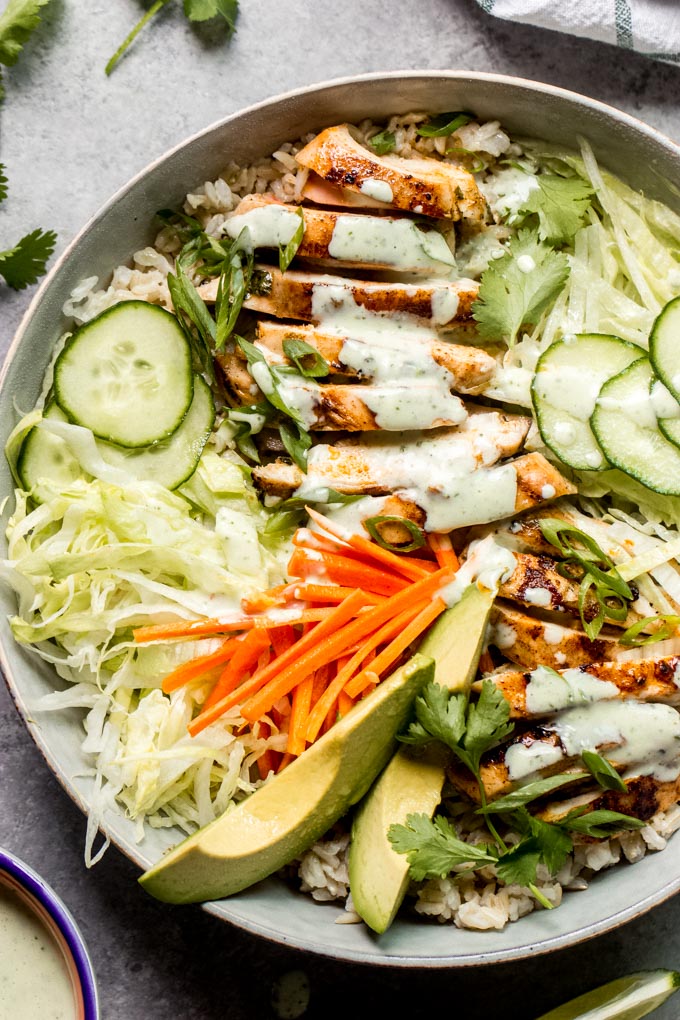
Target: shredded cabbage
[{"x": 98, "y": 559}]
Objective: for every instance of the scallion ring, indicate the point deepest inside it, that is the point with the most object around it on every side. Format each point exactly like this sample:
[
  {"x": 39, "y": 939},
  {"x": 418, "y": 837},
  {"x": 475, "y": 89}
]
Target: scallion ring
[{"x": 418, "y": 539}]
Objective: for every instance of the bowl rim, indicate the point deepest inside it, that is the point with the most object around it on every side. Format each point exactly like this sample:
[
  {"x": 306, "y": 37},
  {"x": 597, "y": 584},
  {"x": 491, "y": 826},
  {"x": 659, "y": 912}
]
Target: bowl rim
[
  {"x": 39, "y": 890},
  {"x": 550, "y": 944}
]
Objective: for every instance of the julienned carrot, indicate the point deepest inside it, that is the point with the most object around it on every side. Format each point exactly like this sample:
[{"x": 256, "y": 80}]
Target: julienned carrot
[
  {"x": 197, "y": 667},
  {"x": 345, "y": 572},
  {"x": 282, "y": 639},
  {"x": 307, "y": 539},
  {"x": 388, "y": 655},
  {"x": 268, "y": 760},
  {"x": 302, "y": 699},
  {"x": 344, "y": 703},
  {"x": 329, "y": 650},
  {"x": 242, "y": 663},
  {"x": 206, "y": 628},
  {"x": 327, "y": 593},
  {"x": 286, "y": 759},
  {"x": 355, "y": 663},
  {"x": 443, "y": 550},
  {"x": 400, "y": 564},
  {"x": 333, "y": 620}
]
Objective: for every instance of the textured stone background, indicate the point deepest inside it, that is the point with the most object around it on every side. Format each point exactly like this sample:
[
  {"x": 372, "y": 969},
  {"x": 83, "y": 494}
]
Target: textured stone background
[{"x": 70, "y": 138}]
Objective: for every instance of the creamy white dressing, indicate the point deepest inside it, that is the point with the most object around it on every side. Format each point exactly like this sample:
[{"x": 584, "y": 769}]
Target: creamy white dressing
[
  {"x": 553, "y": 633},
  {"x": 569, "y": 388},
  {"x": 548, "y": 691},
  {"x": 548, "y": 491},
  {"x": 34, "y": 979},
  {"x": 268, "y": 226},
  {"x": 502, "y": 635},
  {"x": 538, "y": 597},
  {"x": 522, "y": 760},
  {"x": 646, "y": 736},
  {"x": 443, "y": 478},
  {"x": 350, "y": 516},
  {"x": 299, "y": 394},
  {"x": 413, "y": 405},
  {"x": 379, "y": 190},
  {"x": 396, "y": 243},
  {"x": 646, "y": 407},
  {"x": 508, "y": 190},
  {"x": 488, "y": 564}
]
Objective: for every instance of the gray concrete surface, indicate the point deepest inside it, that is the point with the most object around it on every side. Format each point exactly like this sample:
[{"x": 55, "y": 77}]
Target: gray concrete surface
[{"x": 69, "y": 138}]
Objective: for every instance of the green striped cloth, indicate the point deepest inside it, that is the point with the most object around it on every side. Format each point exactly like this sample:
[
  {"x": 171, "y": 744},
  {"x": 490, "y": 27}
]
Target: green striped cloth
[{"x": 651, "y": 27}]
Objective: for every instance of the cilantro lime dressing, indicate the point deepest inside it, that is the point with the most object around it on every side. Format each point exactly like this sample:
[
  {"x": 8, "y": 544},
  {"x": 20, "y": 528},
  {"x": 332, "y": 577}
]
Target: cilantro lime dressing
[
  {"x": 553, "y": 633},
  {"x": 502, "y": 635},
  {"x": 397, "y": 243},
  {"x": 646, "y": 407},
  {"x": 524, "y": 759},
  {"x": 34, "y": 978},
  {"x": 548, "y": 691},
  {"x": 644, "y": 736},
  {"x": 570, "y": 388},
  {"x": 488, "y": 564},
  {"x": 538, "y": 597},
  {"x": 379, "y": 190},
  {"x": 268, "y": 226}
]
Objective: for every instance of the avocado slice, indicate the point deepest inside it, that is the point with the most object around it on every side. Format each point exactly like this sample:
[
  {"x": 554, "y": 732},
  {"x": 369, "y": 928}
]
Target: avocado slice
[
  {"x": 290, "y": 812},
  {"x": 378, "y": 875}
]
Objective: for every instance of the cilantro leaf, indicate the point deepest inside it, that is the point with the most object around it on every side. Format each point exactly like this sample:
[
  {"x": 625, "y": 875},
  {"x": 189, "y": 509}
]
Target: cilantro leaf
[
  {"x": 516, "y": 288},
  {"x": 433, "y": 848},
  {"x": 204, "y": 10},
  {"x": 518, "y": 866},
  {"x": 525, "y": 794},
  {"x": 3, "y": 183},
  {"x": 26, "y": 261},
  {"x": 440, "y": 715},
  {"x": 17, "y": 23},
  {"x": 554, "y": 843},
  {"x": 384, "y": 142},
  {"x": 487, "y": 723},
  {"x": 560, "y": 204},
  {"x": 600, "y": 823},
  {"x": 604, "y": 772}
]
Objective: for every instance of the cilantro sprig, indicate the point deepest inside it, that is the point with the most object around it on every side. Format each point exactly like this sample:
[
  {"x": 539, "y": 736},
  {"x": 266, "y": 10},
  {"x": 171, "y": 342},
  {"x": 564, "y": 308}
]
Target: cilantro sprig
[
  {"x": 17, "y": 23},
  {"x": 194, "y": 10},
  {"x": 25, "y": 262},
  {"x": 560, "y": 203},
  {"x": 516, "y": 289},
  {"x": 469, "y": 729}
]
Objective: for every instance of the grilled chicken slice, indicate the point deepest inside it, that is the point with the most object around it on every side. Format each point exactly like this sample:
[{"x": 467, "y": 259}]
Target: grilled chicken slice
[
  {"x": 536, "y": 582},
  {"x": 470, "y": 367},
  {"x": 540, "y": 692},
  {"x": 391, "y": 406},
  {"x": 424, "y": 186},
  {"x": 344, "y": 239},
  {"x": 311, "y": 297},
  {"x": 316, "y": 189},
  {"x": 644, "y": 796},
  {"x": 531, "y": 641}
]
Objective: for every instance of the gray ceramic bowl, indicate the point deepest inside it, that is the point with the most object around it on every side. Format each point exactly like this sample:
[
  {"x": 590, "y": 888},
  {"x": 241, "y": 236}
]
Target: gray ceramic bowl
[{"x": 645, "y": 159}]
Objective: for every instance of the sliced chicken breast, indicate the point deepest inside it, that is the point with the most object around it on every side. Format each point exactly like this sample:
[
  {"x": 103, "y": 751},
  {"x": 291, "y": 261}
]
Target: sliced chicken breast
[
  {"x": 321, "y": 298},
  {"x": 344, "y": 239},
  {"x": 425, "y": 186},
  {"x": 531, "y": 641},
  {"x": 542, "y": 692},
  {"x": 644, "y": 796}
]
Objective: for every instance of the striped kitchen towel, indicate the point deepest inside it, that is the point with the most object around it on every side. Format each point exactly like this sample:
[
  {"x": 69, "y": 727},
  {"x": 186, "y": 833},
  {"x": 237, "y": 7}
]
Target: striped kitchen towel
[{"x": 651, "y": 27}]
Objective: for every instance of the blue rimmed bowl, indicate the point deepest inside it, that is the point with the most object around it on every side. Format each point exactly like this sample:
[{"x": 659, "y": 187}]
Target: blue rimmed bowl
[{"x": 59, "y": 927}]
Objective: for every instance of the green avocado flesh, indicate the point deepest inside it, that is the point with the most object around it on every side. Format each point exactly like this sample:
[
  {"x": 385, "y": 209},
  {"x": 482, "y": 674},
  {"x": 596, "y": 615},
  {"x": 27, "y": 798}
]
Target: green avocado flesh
[
  {"x": 378, "y": 875},
  {"x": 290, "y": 812}
]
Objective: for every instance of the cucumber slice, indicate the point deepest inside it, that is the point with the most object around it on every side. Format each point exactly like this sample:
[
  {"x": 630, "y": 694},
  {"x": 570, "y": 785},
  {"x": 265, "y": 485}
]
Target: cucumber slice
[
  {"x": 46, "y": 458},
  {"x": 127, "y": 375},
  {"x": 174, "y": 461},
  {"x": 664, "y": 346},
  {"x": 568, "y": 378},
  {"x": 624, "y": 423}
]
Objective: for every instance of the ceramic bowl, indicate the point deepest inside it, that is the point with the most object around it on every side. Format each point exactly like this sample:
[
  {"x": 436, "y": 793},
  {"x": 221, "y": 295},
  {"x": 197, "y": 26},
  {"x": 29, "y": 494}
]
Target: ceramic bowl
[
  {"x": 21, "y": 882},
  {"x": 645, "y": 159}
]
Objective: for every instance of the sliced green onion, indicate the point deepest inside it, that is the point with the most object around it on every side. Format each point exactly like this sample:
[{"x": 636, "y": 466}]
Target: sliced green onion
[
  {"x": 669, "y": 626},
  {"x": 296, "y": 445},
  {"x": 418, "y": 539},
  {"x": 603, "y": 771},
  {"x": 444, "y": 124},
  {"x": 288, "y": 252},
  {"x": 479, "y": 165},
  {"x": 309, "y": 362}
]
